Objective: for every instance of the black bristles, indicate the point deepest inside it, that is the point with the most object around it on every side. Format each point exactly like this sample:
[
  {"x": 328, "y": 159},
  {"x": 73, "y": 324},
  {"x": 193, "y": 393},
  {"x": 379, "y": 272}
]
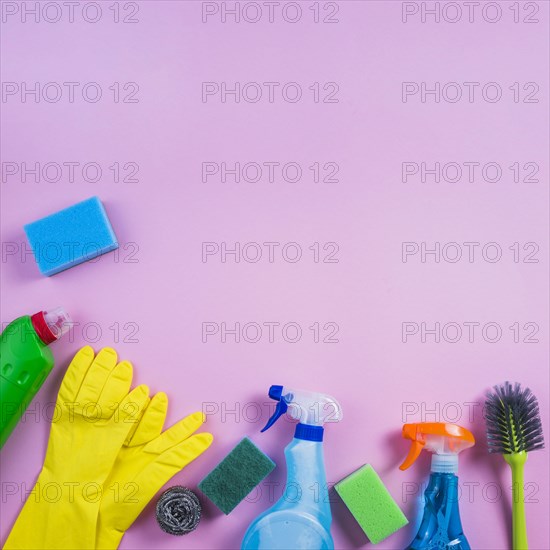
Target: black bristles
[{"x": 513, "y": 420}]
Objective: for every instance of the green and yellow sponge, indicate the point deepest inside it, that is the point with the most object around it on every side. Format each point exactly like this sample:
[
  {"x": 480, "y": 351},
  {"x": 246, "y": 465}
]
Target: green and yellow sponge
[{"x": 371, "y": 504}]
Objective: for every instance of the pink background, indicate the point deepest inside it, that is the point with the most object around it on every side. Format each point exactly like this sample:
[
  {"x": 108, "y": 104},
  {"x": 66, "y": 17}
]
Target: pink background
[{"x": 159, "y": 284}]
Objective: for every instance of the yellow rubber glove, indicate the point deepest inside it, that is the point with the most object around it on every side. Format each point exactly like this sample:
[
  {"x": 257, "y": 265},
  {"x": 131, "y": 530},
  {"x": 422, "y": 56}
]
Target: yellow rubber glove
[
  {"x": 147, "y": 461},
  {"x": 94, "y": 414}
]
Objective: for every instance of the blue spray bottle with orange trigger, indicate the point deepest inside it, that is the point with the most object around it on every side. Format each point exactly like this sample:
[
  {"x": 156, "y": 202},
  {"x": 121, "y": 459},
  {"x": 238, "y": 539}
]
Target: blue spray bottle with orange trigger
[{"x": 441, "y": 527}]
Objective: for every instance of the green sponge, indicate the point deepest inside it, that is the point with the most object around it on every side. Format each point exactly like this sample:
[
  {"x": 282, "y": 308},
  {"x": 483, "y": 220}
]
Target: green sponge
[
  {"x": 236, "y": 475},
  {"x": 371, "y": 504}
]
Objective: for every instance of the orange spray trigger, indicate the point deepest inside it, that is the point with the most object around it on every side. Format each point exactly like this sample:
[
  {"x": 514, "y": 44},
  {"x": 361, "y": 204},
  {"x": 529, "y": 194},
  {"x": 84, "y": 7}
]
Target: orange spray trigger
[
  {"x": 414, "y": 453},
  {"x": 414, "y": 433}
]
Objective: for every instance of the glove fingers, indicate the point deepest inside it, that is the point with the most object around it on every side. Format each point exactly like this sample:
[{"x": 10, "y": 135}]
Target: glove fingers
[
  {"x": 97, "y": 375},
  {"x": 177, "y": 433},
  {"x": 166, "y": 466},
  {"x": 129, "y": 411},
  {"x": 75, "y": 374},
  {"x": 151, "y": 423},
  {"x": 135, "y": 425},
  {"x": 116, "y": 388},
  {"x": 181, "y": 455}
]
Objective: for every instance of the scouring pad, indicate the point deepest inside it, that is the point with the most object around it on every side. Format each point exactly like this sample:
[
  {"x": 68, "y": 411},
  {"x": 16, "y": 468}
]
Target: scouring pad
[
  {"x": 371, "y": 504},
  {"x": 71, "y": 236},
  {"x": 236, "y": 475},
  {"x": 178, "y": 511}
]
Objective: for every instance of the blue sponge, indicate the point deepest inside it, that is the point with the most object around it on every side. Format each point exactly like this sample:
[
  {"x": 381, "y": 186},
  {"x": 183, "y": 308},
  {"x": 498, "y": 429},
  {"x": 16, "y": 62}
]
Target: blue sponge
[{"x": 71, "y": 236}]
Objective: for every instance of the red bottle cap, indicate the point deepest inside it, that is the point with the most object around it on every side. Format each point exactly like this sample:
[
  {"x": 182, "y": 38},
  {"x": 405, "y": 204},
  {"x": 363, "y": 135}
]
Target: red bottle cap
[{"x": 42, "y": 329}]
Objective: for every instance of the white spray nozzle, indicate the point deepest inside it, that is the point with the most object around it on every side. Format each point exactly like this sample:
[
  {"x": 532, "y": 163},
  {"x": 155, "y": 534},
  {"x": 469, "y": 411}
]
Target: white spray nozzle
[
  {"x": 310, "y": 408},
  {"x": 440, "y": 438}
]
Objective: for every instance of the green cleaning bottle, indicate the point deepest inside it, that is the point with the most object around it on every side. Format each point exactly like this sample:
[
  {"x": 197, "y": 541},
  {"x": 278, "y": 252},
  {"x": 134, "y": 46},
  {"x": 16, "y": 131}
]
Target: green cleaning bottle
[{"x": 25, "y": 362}]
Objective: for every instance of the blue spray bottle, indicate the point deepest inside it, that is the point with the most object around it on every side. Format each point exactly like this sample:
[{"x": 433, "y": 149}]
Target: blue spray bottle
[
  {"x": 300, "y": 521},
  {"x": 441, "y": 527}
]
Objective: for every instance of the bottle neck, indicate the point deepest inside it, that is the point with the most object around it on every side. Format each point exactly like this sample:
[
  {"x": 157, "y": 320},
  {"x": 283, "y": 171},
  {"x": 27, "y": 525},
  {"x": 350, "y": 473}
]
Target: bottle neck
[
  {"x": 308, "y": 432},
  {"x": 42, "y": 329},
  {"x": 445, "y": 464}
]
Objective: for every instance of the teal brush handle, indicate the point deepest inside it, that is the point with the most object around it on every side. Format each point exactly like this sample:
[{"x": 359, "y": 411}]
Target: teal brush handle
[{"x": 519, "y": 527}]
